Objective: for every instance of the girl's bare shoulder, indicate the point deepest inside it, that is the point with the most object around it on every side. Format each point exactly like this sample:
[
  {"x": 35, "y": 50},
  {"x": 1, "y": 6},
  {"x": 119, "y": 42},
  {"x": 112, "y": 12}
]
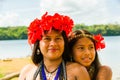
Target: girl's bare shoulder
[
  {"x": 105, "y": 68},
  {"x": 26, "y": 70},
  {"x": 78, "y": 71},
  {"x": 28, "y": 67},
  {"x": 105, "y": 73},
  {"x": 76, "y": 67},
  {"x": 74, "y": 64}
]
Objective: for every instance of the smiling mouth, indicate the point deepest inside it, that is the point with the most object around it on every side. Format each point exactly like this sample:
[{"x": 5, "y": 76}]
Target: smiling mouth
[
  {"x": 87, "y": 59},
  {"x": 53, "y": 50}
]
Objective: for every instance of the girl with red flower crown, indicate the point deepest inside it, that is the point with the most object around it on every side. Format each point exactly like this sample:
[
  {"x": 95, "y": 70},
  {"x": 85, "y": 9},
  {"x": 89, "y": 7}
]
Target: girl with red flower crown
[
  {"x": 50, "y": 51},
  {"x": 83, "y": 47}
]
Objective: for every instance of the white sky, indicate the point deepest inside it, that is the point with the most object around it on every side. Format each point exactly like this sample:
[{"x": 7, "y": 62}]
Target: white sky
[{"x": 89, "y": 12}]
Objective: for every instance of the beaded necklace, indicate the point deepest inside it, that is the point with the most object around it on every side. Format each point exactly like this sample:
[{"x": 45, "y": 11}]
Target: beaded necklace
[
  {"x": 60, "y": 72},
  {"x": 50, "y": 75},
  {"x": 44, "y": 74}
]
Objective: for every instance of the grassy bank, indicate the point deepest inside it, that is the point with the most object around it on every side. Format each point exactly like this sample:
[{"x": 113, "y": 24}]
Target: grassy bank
[{"x": 8, "y": 66}]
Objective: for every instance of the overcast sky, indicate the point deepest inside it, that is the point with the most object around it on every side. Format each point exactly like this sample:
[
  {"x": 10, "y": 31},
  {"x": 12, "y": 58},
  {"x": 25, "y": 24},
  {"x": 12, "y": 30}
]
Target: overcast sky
[{"x": 89, "y": 12}]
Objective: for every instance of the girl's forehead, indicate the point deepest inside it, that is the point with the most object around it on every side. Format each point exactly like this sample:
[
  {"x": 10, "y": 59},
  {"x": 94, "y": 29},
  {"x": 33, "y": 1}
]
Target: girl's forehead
[
  {"x": 84, "y": 40},
  {"x": 52, "y": 33}
]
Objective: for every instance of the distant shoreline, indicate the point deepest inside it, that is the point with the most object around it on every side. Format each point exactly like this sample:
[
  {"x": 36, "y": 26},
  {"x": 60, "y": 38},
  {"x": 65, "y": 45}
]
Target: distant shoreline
[{"x": 26, "y": 39}]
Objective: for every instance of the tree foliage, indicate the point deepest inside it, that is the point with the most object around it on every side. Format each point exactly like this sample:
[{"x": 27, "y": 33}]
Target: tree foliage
[
  {"x": 20, "y": 32},
  {"x": 106, "y": 30}
]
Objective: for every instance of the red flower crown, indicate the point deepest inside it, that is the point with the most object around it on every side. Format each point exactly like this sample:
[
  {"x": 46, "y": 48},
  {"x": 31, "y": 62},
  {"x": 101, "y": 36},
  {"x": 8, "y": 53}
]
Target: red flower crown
[
  {"x": 47, "y": 22},
  {"x": 99, "y": 43}
]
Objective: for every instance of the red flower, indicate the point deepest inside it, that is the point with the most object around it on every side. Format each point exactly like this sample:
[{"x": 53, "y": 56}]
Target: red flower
[
  {"x": 47, "y": 22},
  {"x": 33, "y": 31},
  {"x": 99, "y": 41}
]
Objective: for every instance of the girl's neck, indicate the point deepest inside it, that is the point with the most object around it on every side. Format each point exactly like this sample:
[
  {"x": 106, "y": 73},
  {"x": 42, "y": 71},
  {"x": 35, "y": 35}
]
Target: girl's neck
[
  {"x": 88, "y": 67},
  {"x": 51, "y": 65}
]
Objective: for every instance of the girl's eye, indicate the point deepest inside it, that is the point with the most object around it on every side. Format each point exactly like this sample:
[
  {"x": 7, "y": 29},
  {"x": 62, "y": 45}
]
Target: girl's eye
[
  {"x": 81, "y": 48},
  {"x": 91, "y": 47},
  {"x": 46, "y": 38},
  {"x": 58, "y": 38}
]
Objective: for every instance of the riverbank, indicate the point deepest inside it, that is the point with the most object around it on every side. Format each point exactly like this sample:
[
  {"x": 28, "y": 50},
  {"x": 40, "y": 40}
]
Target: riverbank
[{"x": 12, "y": 65}]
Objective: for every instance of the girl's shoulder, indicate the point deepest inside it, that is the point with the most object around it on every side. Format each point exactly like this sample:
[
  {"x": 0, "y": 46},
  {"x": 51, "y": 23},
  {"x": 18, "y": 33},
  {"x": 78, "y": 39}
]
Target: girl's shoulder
[
  {"x": 104, "y": 73},
  {"x": 77, "y": 71},
  {"x": 74, "y": 65},
  {"x": 26, "y": 70},
  {"x": 105, "y": 68},
  {"x": 28, "y": 67}
]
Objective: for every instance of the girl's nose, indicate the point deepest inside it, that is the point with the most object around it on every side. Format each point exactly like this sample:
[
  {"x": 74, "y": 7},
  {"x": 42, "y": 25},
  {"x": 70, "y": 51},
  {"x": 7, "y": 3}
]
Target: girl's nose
[
  {"x": 87, "y": 52},
  {"x": 52, "y": 42}
]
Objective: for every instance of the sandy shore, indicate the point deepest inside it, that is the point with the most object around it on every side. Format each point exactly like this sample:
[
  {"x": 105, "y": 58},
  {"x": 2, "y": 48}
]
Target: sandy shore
[{"x": 12, "y": 65}]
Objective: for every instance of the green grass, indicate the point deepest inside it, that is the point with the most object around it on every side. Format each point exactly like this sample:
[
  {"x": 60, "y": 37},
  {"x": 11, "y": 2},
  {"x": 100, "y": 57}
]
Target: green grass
[{"x": 1, "y": 75}]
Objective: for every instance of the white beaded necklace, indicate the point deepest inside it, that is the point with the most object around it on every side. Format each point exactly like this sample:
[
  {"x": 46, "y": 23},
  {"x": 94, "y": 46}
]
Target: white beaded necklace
[{"x": 50, "y": 75}]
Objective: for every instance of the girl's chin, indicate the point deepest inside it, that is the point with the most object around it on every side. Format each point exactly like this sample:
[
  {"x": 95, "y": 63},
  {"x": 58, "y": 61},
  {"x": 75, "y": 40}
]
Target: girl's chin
[{"x": 86, "y": 64}]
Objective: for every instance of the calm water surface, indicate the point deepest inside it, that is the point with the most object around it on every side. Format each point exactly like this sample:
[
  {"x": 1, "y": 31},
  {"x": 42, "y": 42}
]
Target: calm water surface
[{"x": 14, "y": 48}]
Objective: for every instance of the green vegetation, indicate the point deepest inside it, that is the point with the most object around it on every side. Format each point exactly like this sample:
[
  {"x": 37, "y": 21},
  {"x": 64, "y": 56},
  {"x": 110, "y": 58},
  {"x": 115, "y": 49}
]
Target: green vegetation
[
  {"x": 20, "y": 32},
  {"x": 106, "y": 30},
  {"x": 1, "y": 75}
]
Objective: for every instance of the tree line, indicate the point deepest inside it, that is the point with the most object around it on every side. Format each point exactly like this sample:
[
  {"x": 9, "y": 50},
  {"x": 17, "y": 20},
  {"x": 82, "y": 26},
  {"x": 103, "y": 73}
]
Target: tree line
[
  {"x": 105, "y": 30},
  {"x": 20, "y": 32},
  {"x": 10, "y": 33}
]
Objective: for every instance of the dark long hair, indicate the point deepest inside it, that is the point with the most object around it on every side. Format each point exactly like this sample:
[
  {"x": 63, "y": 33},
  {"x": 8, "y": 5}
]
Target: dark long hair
[
  {"x": 73, "y": 41},
  {"x": 37, "y": 58}
]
